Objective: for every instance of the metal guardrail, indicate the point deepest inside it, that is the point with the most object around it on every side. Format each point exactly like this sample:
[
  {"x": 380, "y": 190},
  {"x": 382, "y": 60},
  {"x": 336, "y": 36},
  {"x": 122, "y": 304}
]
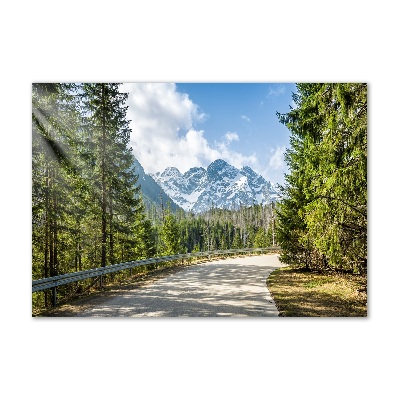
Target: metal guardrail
[{"x": 59, "y": 280}]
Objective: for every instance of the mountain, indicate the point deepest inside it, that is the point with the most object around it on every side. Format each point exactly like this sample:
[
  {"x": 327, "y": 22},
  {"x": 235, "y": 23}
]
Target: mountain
[
  {"x": 151, "y": 190},
  {"x": 220, "y": 185}
]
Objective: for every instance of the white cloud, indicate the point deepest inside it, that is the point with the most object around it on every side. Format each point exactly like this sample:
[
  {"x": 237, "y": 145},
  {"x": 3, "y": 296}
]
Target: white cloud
[
  {"x": 163, "y": 135},
  {"x": 275, "y": 166},
  {"x": 231, "y": 136},
  {"x": 245, "y": 118},
  {"x": 277, "y": 159},
  {"x": 276, "y": 90},
  {"x": 238, "y": 160}
]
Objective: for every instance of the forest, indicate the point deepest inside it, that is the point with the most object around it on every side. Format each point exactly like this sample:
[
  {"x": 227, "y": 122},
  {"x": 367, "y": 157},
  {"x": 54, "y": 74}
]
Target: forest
[
  {"x": 88, "y": 211},
  {"x": 322, "y": 215},
  {"x": 87, "y": 208}
]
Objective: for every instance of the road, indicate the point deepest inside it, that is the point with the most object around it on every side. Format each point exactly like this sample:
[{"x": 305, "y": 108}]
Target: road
[{"x": 234, "y": 287}]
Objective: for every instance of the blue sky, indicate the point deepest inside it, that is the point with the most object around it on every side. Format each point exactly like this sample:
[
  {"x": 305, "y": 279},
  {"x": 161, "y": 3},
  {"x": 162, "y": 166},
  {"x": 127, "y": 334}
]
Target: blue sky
[{"x": 191, "y": 124}]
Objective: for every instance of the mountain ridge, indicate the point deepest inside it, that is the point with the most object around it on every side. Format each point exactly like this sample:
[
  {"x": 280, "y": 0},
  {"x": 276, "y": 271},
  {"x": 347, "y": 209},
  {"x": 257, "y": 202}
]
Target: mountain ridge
[{"x": 220, "y": 185}]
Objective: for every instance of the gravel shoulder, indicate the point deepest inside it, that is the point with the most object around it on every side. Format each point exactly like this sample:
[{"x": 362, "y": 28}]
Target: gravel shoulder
[{"x": 220, "y": 288}]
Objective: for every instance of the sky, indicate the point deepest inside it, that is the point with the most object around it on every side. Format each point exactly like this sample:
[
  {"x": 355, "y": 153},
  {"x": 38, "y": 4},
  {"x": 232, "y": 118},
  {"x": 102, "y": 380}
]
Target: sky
[{"x": 187, "y": 125}]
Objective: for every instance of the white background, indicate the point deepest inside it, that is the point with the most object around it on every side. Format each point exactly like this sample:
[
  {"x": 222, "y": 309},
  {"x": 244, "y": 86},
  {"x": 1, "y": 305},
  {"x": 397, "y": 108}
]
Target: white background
[{"x": 252, "y": 41}]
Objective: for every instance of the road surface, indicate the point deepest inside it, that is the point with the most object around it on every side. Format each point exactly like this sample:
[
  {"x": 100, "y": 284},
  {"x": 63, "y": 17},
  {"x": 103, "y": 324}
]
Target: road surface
[{"x": 234, "y": 287}]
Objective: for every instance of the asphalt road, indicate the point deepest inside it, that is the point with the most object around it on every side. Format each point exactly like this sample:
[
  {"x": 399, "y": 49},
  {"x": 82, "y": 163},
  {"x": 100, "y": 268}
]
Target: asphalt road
[{"x": 233, "y": 287}]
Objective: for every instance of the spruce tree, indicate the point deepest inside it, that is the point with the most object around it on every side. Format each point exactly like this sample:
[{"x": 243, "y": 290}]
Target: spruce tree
[
  {"x": 170, "y": 237},
  {"x": 237, "y": 240},
  {"x": 113, "y": 174},
  {"x": 52, "y": 174},
  {"x": 323, "y": 217},
  {"x": 58, "y": 187},
  {"x": 261, "y": 238}
]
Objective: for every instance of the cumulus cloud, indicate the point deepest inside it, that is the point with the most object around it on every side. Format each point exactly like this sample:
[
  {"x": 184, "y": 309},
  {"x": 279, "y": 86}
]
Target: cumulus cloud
[
  {"x": 245, "y": 118},
  {"x": 277, "y": 159},
  {"x": 276, "y": 90},
  {"x": 163, "y": 134},
  {"x": 231, "y": 136}
]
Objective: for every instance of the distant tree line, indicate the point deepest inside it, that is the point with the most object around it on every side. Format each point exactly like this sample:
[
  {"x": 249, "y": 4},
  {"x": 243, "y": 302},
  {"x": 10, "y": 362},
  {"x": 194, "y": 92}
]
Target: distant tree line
[
  {"x": 215, "y": 229},
  {"x": 322, "y": 219}
]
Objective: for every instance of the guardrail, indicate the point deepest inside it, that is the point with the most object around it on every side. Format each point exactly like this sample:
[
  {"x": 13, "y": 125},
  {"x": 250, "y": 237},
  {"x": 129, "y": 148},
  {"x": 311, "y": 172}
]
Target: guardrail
[{"x": 59, "y": 280}]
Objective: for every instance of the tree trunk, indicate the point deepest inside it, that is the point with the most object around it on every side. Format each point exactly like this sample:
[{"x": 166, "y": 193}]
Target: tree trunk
[
  {"x": 55, "y": 241},
  {"x": 46, "y": 240},
  {"x": 112, "y": 260},
  {"x": 103, "y": 186}
]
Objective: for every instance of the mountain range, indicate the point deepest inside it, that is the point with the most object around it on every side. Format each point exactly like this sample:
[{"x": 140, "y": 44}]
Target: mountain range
[{"x": 220, "y": 185}]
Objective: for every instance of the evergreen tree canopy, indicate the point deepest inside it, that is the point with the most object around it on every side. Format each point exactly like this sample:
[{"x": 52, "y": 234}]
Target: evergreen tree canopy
[
  {"x": 86, "y": 208},
  {"x": 113, "y": 173},
  {"x": 323, "y": 217},
  {"x": 170, "y": 234}
]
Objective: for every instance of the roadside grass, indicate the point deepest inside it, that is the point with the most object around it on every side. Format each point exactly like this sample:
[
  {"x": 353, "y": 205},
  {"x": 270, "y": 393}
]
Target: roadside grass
[{"x": 300, "y": 293}]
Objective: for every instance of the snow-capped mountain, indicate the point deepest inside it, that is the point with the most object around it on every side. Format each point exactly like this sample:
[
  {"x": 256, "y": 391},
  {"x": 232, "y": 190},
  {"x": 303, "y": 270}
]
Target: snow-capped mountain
[{"x": 220, "y": 185}]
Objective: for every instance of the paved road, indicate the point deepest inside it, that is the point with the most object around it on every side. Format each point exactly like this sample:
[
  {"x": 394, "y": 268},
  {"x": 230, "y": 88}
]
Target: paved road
[{"x": 233, "y": 287}]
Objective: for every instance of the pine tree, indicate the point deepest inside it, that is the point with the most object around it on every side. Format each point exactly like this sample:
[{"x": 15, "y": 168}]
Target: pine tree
[
  {"x": 54, "y": 118},
  {"x": 145, "y": 239},
  {"x": 237, "y": 240},
  {"x": 171, "y": 243},
  {"x": 323, "y": 218},
  {"x": 86, "y": 208},
  {"x": 261, "y": 238},
  {"x": 113, "y": 173}
]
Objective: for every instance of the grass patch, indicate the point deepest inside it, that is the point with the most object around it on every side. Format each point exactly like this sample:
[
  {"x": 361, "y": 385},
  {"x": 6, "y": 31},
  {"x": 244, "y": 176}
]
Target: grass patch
[{"x": 299, "y": 293}]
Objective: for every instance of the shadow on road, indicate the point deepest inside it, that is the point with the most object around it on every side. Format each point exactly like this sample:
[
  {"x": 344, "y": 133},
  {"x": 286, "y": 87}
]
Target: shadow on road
[{"x": 226, "y": 288}]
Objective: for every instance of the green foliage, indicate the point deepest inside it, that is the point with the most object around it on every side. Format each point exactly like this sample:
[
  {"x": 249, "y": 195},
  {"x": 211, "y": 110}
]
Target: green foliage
[
  {"x": 216, "y": 229},
  {"x": 323, "y": 217},
  {"x": 112, "y": 176},
  {"x": 86, "y": 208},
  {"x": 237, "y": 242},
  {"x": 262, "y": 239},
  {"x": 170, "y": 237}
]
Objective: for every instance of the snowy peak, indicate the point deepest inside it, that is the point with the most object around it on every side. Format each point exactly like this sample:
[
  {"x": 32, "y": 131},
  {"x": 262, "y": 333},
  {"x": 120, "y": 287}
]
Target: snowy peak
[
  {"x": 221, "y": 186},
  {"x": 171, "y": 173},
  {"x": 195, "y": 177},
  {"x": 195, "y": 171},
  {"x": 247, "y": 171},
  {"x": 220, "y": 168}
]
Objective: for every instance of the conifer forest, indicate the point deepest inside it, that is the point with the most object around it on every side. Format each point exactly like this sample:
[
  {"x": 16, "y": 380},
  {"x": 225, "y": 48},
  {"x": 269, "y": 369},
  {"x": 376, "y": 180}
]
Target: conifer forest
[{"x": 88, "y": 210}]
